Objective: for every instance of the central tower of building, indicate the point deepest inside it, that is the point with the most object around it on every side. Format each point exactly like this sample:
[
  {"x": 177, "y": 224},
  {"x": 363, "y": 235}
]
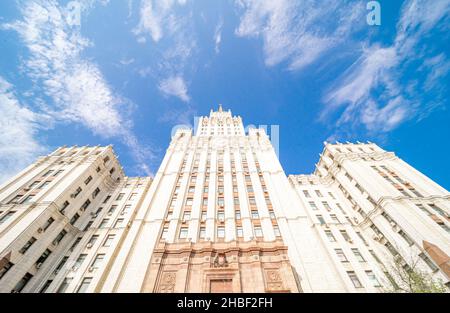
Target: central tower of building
[{"x": 211, "y": 219}]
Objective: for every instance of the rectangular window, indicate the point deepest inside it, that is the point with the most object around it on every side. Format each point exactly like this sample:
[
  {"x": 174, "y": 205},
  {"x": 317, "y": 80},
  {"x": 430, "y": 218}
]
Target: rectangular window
[
  {"x": 220, "y": 201},
  {"x": 318, "y": 193},
  {"x": 118, "y": 223},
  {"x": 64, "y": 206},
  {"x": 427, "y": 260},
  {"x": 255, "y": 214},
  {"x": 187, "y": 216},
  {"x": 34, "y": 184},
  {"x": 84, "y": 285},
  {"x": 112, "y": 209},
  {"x": 74, "y": 218},
  {"x": 43, "y": 256},
  {"x": 133, "y": 197},
  {"x": 203, "y": 216},
  {"x": 6, "y": 217},
  {"x": 23, "y": 282},
  {"x": 406, "y": 237},
  {"x": 354, "y": 279},
  {"x": 220, "y": 232},
  {"x": 373, "y": 279},
  {"x": 334, "y": 218},
  {"x": 221, "y": 216},
  {"x": 330, "y": 236},
  {"x": 47, "y": 173},
  {"x": 341, "y": 256},
  {"x": 88, "y": 180},
  {"x": 80, "y": 260},
  {"x": 313, "y": 205},
  {"x": 358, "y": 255},
  {"x": 98, "y": 260},
  {"x": 306, "y": 193},
  {"x": 60, "y": 236},
  {"x": 63, "y": 287},
  {"x": 45, "y": 184},
  {"x": 93, "y": 239},
  {"x": 27, "y": 245},
  {"x": 109, "y": 239},
  {"x": 258, "y": 231},
  {"x": 77, "y": 192},
  {"x": 48, "y": 223},
  {"x": 189, "y": 201},
  {"x": 272, "y": 214},
  {"x": 345, "y": 235},
  {"x": 103, "y": 223},
  {"x": 120, "y": 196},
  {"x": 183, "y": 233},
  {"x": 276, "y": 231},
  {"x": 86, "y": 204},
  {"x": 28, "y": 199},
  {"x": 237, "y": 215},
  {"x": 202, "y": 234},
  {"x": 320, "y": 218},
  {"x": 240, "y": 232},
  {"x": 326, "y": 205}
]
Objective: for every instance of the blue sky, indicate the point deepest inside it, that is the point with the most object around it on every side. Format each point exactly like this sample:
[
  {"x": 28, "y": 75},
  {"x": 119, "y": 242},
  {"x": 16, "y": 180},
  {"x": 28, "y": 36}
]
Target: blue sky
[{"x": 132, "y": 70}]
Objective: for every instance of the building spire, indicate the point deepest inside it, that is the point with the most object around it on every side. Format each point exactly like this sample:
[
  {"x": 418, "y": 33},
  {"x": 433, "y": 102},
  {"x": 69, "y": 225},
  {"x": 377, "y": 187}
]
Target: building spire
[{"x": 220, "y": 108}]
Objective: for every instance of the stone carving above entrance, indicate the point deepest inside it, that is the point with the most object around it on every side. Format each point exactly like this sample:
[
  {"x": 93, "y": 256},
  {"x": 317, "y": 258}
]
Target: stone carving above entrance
[{"x": 220, "y": 260}]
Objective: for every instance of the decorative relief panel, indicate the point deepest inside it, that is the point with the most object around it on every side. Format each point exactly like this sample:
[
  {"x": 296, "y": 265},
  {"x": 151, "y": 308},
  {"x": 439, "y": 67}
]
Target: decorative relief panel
[
  {"x": 167, "y": 283},
  {"x": 273, "y": 280}
]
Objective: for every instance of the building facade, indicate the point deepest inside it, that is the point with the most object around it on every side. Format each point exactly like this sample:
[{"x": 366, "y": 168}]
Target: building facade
[{"x": 220, "y": 215}]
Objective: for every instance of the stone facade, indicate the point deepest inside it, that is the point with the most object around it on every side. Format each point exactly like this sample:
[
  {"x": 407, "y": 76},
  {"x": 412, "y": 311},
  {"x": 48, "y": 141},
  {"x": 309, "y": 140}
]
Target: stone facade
[{"x": 220, "y": 215}]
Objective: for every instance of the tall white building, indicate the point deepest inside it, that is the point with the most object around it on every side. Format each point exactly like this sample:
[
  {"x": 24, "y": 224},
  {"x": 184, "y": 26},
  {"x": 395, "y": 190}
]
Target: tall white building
[{"x": 220, "y": 215}]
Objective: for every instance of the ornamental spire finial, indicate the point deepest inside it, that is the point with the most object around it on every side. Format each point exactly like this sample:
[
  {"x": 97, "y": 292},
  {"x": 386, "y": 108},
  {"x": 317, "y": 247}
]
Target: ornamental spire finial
[{"x": 220, "y": 108}]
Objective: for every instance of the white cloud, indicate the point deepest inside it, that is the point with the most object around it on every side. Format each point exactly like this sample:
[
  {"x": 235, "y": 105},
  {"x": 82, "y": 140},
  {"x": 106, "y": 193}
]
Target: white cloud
[
  {"x": 174, "y": 86},
  {"x": 18, "y": 127},
  {"x": 127, "y": 61},
  {"x": 376, "y": 90},
  {"x": 298, "y": 32},
  {"x": 77, "y": 87},
  {"x": 153, "y": 17},
  {"x": 218, "y": 36}
]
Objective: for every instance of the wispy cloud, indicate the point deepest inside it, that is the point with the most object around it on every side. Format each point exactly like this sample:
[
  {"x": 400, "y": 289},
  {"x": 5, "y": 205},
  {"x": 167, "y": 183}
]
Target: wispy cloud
[
  {"x": 174, "y": 86},
  {"x": 78, "y": 89},
  {"x": 154, "y": 17},
  {"x": 378, "y": 90},
  {"x": 218, "y": 36},
  {"x": 298, "y": 32},
  {"x": 19, "y": 126}
]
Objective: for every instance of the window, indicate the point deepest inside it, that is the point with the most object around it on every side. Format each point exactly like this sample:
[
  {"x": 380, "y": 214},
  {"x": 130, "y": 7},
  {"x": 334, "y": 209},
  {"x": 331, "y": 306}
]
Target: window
[
  {"x": 164, "y": 233},
  {"x": 93, "y": 239},
  {"x": 23, "y": 282},
  {"x": 427, "y": 260},
  {"x": 318, "y": 193},
  {"x": 183, "y": 233},
  {"x": 112, "y": 209},
  {"x": 64, "y": 206},
  {"x": 258, "y": 231},
  {"x": 74, "y": 218},
  {"x": 330, "y": 236},
  {"x": 205, "y": 202},
  {"x": 332, "y": 196},
  {"x": 237, "y": 215},
  {"x": 77, "y": 241},
  {"x": 255, "y": 214},
  {"x": 220, "y": 201},
  {"x": 34, "y": 184},
  {"x": 326, "y": 205},
  {"x": 236, "y": 201},
  {"x": 133, "y": 197},
  {"x": 58, "y": 172},
  {"x": 406, "y": 237},
  {"x": 320, "y": 218},
  {"x": 120, "y": 196},
  {"x": 334, "y": 218},
  {"x": 373, "y": 279},
  {"x": 6, "y": 217},
  {"x": 345, "y": 235},
  {"x": 354, "y": 279},
  {"x": 98, "y": 260},
  {"x": 362, "y": 238},
  {"x": 187, "y": 216},
  {"x": 252, "y": 201},
  {"x": 48, "y": 223},
  {"x": 103, "y": 223},
  {"x": 272, "y": 214},
  {"x": 313, "y": 205},
  {"x": 45, "y": 184},
  {"x": 276, "y": 231},
  {"x": 5, "y": 269},
  {"x": 240, "y": 232},
  {"x": 341, "y": 256},
  {"x": 86, "y": 204},
  {"x": 88, "y": 180},
  {"x": 77, "y": 192},
  {"x": 43, "y": 256},
  {"x": 88, "y": 225},
  {"x": 95, "y": 193},
  {"x": 106, "y": 199},
  {"x": 202, "y": 234},
  {"x": 84, "y": 284},
  {"x": 60, "y": 236},
  {"x": 46, "y": 285},
  {"x": 109, "y": 239},
  {"x": 203, "y": 215},
  {"x": 28, "y": 199},
  {"x": 220, "y": 232},
  {"x": 189, "y": 201},
  {"x": 47, "y": 173},
  {"x": 358, "y": 255},
  {"x": 80, "y": 260},
  {"x": 118, "y": 223},
  {"x": 221, "y": 216},
  {"x": 63, "y": 287}
]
